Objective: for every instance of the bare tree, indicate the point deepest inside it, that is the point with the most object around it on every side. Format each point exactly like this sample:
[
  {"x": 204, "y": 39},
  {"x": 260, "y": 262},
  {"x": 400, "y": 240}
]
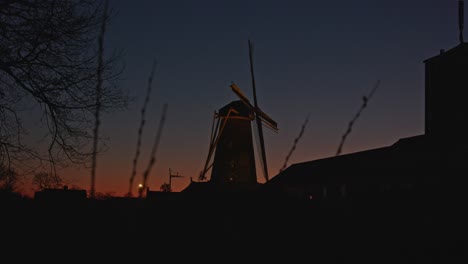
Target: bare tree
[
  {"x": 43, "y": 180},
  {"x": 9, "y": 179},
  {"x": 165, "y": 187},
  {"x": 104, "y": 195},
  {"x": 48, "y": 79}
]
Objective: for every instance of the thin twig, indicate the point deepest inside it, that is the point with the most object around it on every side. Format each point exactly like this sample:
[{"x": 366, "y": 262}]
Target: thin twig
[
  {"x": 140, "y": 129},
  {"x": 155, "y": 148},
  {"x": 98, "y": 98},
  {"x": 365, "y": 101},
  {"x": 296, "y": 140}
]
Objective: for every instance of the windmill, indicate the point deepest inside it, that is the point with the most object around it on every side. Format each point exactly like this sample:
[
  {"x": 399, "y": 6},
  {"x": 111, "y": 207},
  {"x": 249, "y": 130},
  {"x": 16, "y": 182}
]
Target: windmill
[{"x": 232, "y": 139}]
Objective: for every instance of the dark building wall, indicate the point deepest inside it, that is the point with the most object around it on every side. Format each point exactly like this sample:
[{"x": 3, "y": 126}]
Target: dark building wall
[{"x": 446, "y": 90}]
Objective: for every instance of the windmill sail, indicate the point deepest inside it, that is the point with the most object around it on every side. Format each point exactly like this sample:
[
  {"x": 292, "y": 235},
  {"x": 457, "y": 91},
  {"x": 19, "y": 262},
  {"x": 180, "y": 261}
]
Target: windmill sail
[
  {"x": 264, "y": 117},
  {"x": 258, "y": 120}
]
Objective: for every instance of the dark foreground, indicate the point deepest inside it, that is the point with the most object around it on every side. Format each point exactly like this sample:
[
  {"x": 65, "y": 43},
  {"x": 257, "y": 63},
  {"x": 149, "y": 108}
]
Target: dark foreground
[{"x": 373, "y": 230}]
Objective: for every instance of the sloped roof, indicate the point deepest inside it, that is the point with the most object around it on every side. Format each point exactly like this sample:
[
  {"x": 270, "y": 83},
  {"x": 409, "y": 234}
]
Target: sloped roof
[
  {"x": 239, "y": 106},
  {"x": 401, "y": 161},
  {"x": 459, "y": 52}
]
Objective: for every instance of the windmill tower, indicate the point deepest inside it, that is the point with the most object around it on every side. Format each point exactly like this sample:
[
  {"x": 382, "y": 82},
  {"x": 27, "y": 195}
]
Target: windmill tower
[
  {"x": 232, "y": 140},
  {"x": 234, "y": 159}
]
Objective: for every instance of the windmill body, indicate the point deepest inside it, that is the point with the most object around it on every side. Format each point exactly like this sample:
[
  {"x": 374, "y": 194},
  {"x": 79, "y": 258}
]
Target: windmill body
[
  {"x": 234, "y": 160},
  {"x": 231, "y": 155},
  {"x": 232, "y": 143}
]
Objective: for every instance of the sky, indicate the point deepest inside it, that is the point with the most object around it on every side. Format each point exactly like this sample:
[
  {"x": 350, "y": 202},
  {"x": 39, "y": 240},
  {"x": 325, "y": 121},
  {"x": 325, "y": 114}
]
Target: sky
[{"x": 311, "y": 58}]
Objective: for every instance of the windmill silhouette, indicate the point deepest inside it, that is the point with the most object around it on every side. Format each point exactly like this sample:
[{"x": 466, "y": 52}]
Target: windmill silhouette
[{"x": 232, "y": 139}]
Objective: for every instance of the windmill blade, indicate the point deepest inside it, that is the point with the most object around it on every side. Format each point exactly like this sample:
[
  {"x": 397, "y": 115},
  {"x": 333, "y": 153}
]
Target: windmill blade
[
  {"x": 241, "y": 95},
  {"x": 268, "y": 120},
  {"x": 257, "y": 119},
  {"x": 263, "y": 116}
]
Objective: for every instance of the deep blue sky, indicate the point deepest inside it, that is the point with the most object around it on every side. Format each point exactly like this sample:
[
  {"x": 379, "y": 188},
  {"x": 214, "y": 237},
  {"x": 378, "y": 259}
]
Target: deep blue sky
[{"x": 310, "y": 57}]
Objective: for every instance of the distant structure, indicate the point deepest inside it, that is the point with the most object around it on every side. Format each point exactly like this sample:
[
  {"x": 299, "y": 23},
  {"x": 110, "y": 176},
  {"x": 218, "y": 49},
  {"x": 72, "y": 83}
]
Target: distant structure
[
  {"x": 165, "y": 191},
  {"x": 60, "y": 195},
  {"x": 415, "y": 165}
]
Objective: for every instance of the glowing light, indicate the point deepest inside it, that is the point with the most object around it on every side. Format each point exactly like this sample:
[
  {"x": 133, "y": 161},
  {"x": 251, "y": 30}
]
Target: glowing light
[{"x": 140, "y": 185}]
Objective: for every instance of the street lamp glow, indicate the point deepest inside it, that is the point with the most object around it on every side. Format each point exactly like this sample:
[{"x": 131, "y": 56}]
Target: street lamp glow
[{"x": 140, "y": 185}]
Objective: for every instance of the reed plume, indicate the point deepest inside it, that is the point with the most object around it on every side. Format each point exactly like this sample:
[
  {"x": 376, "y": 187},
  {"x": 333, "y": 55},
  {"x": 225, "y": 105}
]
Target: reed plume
[
  {"x": 296, "y": 140},
  {"x": 154, "y": 149},
  {"x": 140, "y": 129},
  {"x": 365, "y": 101}
]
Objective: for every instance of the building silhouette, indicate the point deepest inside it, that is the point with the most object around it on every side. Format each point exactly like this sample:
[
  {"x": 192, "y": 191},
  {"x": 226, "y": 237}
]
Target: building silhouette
[
  {"x": 422, "y": 165},
  {"x": 60, "y": 194},
  {"x": 446, "y": 118}
]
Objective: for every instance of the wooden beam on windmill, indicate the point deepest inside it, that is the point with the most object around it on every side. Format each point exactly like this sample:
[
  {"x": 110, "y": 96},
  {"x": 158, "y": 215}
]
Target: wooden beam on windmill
[{"x": 267, "y": 120}]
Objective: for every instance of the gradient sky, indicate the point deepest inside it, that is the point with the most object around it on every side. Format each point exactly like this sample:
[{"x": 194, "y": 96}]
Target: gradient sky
[{"x": 310, "y": 57}]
